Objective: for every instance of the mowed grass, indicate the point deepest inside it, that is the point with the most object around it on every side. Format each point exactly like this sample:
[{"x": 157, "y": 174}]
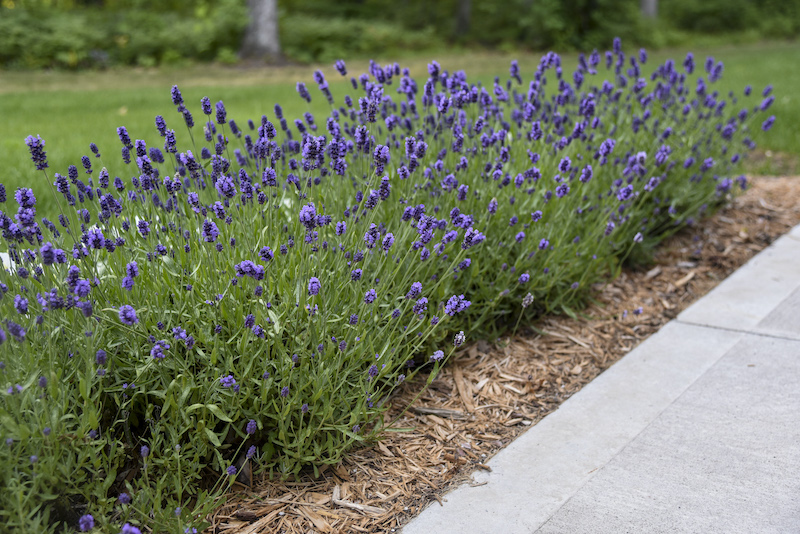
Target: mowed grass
[{"x": 70, "y": 110}]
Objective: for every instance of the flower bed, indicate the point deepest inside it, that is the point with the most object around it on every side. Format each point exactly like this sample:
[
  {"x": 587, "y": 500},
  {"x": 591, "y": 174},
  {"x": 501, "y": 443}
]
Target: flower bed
[
  {"x": 489, "y": 394},
  {"x": 249, "y": 301}
]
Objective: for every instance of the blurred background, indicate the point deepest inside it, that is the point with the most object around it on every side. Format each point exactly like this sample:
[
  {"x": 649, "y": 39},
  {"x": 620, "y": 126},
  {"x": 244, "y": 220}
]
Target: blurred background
[{"x": 79, "y": 34}]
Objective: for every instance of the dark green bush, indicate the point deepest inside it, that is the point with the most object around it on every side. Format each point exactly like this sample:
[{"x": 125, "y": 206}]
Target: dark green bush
[
  {"x": 309, "y": 39},
  {"x": 770, "y": 18},
  {"x": 78, "y": 38}
]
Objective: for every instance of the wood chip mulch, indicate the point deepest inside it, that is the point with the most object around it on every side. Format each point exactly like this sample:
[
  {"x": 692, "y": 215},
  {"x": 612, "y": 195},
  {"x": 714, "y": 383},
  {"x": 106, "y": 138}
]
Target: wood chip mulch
[{"x": 491, "y": 392}]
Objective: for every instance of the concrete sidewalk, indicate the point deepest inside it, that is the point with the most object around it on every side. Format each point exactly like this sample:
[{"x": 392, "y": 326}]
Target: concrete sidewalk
[{"x": 696, "y": 430}]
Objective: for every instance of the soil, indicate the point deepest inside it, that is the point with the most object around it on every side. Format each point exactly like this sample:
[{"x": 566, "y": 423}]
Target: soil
[{"x": 492, "y": 392}]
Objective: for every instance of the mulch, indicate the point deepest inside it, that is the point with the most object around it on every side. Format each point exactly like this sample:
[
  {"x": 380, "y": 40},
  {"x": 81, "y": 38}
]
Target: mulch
[{"x": 490, "y": 393}]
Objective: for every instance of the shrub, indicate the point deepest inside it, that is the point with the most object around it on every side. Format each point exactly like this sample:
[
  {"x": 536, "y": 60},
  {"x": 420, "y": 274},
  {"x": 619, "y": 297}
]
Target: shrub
[
  {"x": 313, "y": 39},
  {"x": 250, "y": 296},
  {"x": 43, "y": 38}
]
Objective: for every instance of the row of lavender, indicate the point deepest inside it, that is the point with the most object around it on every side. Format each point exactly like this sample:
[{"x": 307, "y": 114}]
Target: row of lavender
[{"x": 249, "y": 299}]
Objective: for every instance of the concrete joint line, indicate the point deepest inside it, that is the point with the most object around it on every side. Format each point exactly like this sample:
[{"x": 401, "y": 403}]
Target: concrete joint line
[{"x": 737, "y": 330}]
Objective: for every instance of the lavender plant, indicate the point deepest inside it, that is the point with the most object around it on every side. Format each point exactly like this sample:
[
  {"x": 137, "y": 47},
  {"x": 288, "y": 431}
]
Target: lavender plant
[{"x": 248, "y": 298}]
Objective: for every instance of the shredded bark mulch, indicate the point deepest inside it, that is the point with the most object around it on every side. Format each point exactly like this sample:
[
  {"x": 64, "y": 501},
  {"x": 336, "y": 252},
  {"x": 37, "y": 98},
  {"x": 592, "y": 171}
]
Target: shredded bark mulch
[{"x": 490, "y": 393}]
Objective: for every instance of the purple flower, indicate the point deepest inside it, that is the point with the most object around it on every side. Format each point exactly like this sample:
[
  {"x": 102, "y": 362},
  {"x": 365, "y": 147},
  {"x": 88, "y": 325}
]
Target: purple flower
[
  {"x": 303, "y": 91},
  {"x": 308, "y": 216},
  {"x": 543, "y": 244},
  {"x": 372, "y": 372},
  {"x": 248, "y": 268},
  {"x": 177, "y": 98},
  {"x": 127, "y": 283},
  {"x": 524, "y": 277},
  {"x": 206, "y": 105},
  {"x": 144, "y": 228},
  {"x": 285, "y": 391},
  {"x": 251, "y": 451},
  {"x": 536, "y": 216},
  {"x": 127, "y": 528},
  {"x": 101, "y": 357},
  {"x": 355, "y": 275},
  {"x": 24, "y": 197},
  {"x": 210, "y": 231},
  {"x": 157, "y": 352},
  {"x": 354, "y": 319},
  {"x": 38, "y": 155},
  {"x": 145, "y": 451},
  {"x": 471, "y": 238},
  {"x": 266, "y": 254},
  {"x": 767, "y": 124},
  {"x": 314, "y": 286},
  {"x": 625, "y": 193},
  {"x": 370, "y": 296},
  {"x": 231, "y": 470},
  {"x": 227, "y": 381},
  {"x": 132, "y": 269},
  {"x": 437, "y": 356},
  {"x": 459, "y": 339},
  {"x": 221, "y": 113},
  {"x": 21, "y": 304},
  {"x": 421, "y": 306},
  {"x": 128, "y": 315},
  {"x": 388, "y": 241},
  {"x": 340, "y": 67},
  {"x": 456, "y": 304},
  {"x": 371, "y": 236},
  {"x": 251, "y": 426},
  {"x": 86, "y": 523},
  {"x": 638, "y": 238},
  {"x": 124, "y": 498}
]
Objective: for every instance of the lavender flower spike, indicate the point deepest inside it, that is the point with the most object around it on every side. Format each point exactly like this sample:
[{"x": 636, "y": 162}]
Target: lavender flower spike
[
  {"x": 128, "y": 315},
  {"x": 38, "y": 155},
  {"x": 314, "y": 286}
]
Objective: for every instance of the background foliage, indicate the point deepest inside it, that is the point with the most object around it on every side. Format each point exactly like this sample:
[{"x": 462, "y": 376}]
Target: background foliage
[{"x": 97, "y": 33}]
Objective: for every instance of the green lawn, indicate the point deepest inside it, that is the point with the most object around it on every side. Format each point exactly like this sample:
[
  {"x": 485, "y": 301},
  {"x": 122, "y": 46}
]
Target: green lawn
[{"x": 70, "y": 110}]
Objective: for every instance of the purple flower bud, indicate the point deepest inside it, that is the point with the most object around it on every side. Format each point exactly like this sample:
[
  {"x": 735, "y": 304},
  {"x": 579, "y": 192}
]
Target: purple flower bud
[
  {"x": 36, "y": 148},
  {"x": 128, "y": 315},
  {"x": 314, "y": 286},
  {"x": 86, "y": 523}
]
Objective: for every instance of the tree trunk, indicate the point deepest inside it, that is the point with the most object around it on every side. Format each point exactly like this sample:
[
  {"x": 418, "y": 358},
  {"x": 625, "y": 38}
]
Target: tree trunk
[
  {"x": 650, "y": 8},
  {"x": 462, "y": 18},
  {"x": 261, "y": 40}
]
